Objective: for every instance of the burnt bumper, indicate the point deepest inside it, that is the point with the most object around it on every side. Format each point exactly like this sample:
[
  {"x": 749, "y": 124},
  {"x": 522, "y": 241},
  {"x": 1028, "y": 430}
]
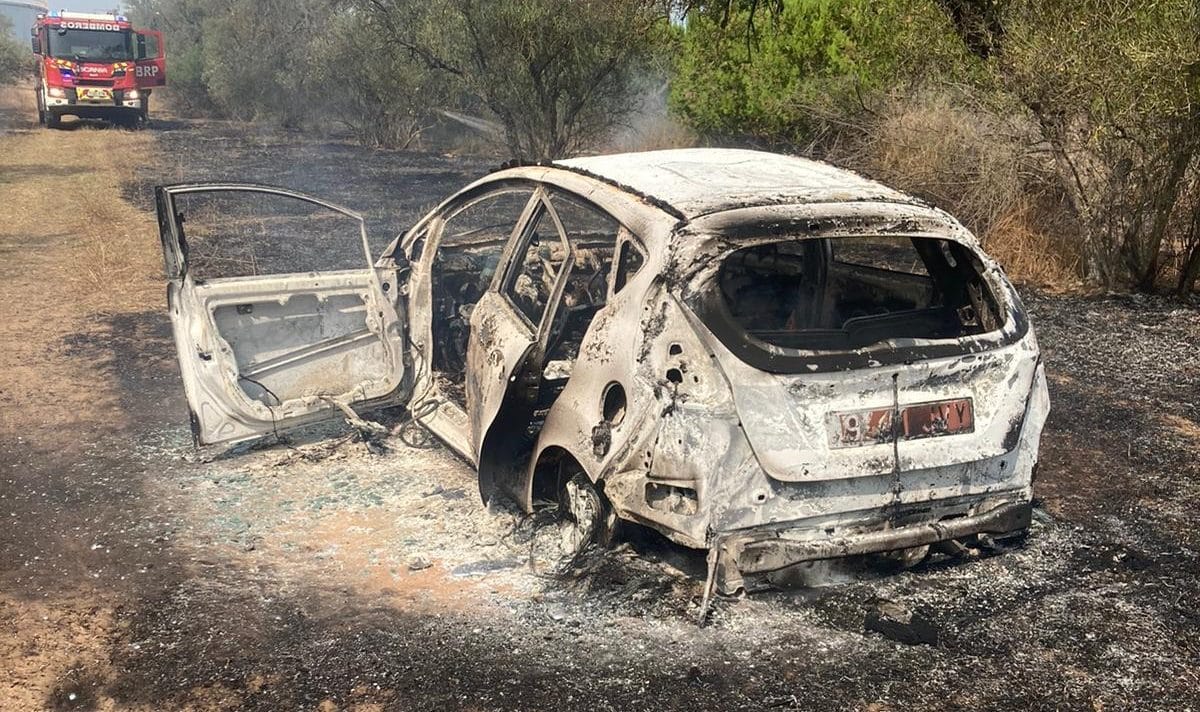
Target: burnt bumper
[{"x": 764, "y": 550}]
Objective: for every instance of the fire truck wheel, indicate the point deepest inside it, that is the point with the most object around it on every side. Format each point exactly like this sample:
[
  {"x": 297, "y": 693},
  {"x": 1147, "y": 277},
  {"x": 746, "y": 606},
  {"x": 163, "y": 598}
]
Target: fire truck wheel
[{"x": 53, "y": 120}]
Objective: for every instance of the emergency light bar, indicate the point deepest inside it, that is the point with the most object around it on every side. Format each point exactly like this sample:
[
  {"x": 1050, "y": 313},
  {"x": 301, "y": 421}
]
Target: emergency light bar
[{"x": 97, "y": 16}]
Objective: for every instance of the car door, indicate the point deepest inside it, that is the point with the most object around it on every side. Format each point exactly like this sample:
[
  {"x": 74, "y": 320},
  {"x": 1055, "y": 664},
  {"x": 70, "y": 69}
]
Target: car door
[
  {"x": 150, "y": 70},
  {"x": 455, "y": 255},
  {"x": 271, "y": 350},
  {"x": 509, "y": 331}
]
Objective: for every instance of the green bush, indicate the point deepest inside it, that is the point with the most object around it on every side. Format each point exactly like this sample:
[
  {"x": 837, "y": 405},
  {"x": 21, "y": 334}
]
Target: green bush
[
  {"x": 786, "y": 76},
  {"x": 256, "y": 58},
  {"x": 16, "y": 59},
  {"x": 556, "y": 75},
  {"x": 371, "y": 85}
]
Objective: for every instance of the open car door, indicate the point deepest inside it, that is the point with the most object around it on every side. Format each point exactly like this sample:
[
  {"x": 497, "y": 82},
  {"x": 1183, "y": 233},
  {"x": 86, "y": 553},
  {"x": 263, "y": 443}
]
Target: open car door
[
  {"x": 510, "y": 328},
  {"x": 261, "y": 353}
]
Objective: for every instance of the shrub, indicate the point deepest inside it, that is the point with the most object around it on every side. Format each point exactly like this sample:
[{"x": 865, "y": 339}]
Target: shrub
[
  {"x": 793, "y": 76},
  {"x": 556, "y": 74},
  {"x": 16, "y": 60},
  {"x": 1115, "y": 87},
  {"x": 371, "y": 85}
]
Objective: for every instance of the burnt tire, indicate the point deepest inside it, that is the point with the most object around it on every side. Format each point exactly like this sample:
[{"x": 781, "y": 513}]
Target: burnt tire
[{"x": 585, "y": 507}]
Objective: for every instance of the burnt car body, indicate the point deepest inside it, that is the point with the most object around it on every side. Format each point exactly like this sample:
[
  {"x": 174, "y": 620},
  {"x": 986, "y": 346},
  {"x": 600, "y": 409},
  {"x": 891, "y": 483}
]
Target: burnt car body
[{"x": 754, "y": 354}]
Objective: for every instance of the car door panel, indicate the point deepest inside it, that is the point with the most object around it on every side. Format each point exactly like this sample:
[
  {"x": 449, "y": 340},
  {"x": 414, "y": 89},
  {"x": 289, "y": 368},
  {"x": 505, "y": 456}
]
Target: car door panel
[
  {"x": 456, "y": 255},
  {"x": 261, "y": 354},
  {"x": 506, "y": 348},
  {"x": 500, "y": 342},
  {"x": 150, "y": 70}
]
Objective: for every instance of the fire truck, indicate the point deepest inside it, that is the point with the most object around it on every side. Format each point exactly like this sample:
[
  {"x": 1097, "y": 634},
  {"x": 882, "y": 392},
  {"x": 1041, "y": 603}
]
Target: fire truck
[{"x": 95, "y": 66}]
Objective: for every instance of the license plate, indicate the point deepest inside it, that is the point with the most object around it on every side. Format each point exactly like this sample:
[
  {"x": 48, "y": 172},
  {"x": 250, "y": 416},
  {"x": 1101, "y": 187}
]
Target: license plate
[
  {"x": 876, "y": 426},
  {"x": 94, "y": 94}
]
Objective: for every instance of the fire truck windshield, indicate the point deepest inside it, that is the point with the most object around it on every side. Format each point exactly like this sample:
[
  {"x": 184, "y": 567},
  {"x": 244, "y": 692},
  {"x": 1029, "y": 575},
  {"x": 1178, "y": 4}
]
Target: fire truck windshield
[{"x": 91, "y": 45}]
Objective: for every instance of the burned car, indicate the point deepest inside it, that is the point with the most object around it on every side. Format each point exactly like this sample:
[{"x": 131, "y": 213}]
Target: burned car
[{"x": 754, "y": 354}]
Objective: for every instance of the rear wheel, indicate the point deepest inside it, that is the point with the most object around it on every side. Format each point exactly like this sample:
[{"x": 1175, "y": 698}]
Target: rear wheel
[
  {"x": 580, "y": 516},
  {"x": 587, "y": 516}
]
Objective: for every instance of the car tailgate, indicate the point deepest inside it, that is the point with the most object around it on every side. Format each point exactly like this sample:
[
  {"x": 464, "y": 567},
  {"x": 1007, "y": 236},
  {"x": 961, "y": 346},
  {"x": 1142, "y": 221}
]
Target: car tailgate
[{"x": 934, "y": 413}]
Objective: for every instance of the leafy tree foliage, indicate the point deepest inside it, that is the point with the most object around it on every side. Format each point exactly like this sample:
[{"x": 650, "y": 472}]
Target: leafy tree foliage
[
  {"x": 1115, "y": 87},
  {"x": 369, "y": 83},
  {"x": 1111, "y": 87},
  {"x": 16, "y": 59},
  {"x": 557, "y": 74},
  {"x": 779, "y": 73}
]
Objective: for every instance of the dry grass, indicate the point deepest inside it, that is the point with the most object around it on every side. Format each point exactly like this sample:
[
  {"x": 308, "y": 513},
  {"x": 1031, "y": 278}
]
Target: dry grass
[
  {"x": 74, "y": 252},
  {"x": 65, "y": 186},
  {"x": 1028, "y": 254},
  {"x": 981, "y": 167},
  {"x": 962, "y": 158}
]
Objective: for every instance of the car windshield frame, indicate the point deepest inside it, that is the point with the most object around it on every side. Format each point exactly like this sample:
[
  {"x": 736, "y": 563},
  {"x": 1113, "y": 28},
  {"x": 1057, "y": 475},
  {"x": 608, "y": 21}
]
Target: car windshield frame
[{"x": 62, "y": 40}]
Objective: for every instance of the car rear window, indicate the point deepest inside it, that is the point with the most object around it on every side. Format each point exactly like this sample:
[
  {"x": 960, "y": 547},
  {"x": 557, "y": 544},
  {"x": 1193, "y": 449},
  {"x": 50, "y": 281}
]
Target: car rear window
[{"x": 850, "y": 293}]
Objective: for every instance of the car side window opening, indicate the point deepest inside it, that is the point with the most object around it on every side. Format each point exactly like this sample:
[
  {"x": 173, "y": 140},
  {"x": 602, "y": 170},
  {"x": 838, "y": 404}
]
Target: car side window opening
[
  {"x": 473, "y": 237},
  {"x": 536, "y": 267},
  {"x": 850, "y": 293},
  {"x": 629, "y": 263},
  {"x": 251, "y": 233},
  {"x": 592, "y": 234}
]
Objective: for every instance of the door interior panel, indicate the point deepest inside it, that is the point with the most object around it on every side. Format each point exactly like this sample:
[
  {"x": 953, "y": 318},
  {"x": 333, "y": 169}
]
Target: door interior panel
[
  {"x": 261, "y": 353},
  {"x": 291, "y": 337},
  {"x": 312, "y": 343}
]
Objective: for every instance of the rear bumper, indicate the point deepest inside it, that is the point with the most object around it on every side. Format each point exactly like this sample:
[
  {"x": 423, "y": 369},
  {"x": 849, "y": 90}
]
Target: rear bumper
[{"x": 770, "y": 549}]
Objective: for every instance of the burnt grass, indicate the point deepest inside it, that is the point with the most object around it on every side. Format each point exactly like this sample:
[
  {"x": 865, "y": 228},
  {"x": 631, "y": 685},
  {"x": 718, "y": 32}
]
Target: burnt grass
[{"x": 1098, "y": 609}]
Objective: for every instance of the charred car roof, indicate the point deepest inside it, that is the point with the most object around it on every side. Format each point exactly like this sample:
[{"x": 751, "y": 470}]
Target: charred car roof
[{"x": 700, "y": 181}]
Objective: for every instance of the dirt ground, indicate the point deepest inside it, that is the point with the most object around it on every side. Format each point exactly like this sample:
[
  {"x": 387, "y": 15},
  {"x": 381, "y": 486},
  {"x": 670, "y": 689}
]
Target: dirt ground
[{"x": 138, "y": 574}]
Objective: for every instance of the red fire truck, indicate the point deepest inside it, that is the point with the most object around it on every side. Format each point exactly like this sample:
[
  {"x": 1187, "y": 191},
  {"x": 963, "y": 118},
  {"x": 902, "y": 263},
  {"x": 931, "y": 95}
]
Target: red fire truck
[{"x": 95, "y": 66}]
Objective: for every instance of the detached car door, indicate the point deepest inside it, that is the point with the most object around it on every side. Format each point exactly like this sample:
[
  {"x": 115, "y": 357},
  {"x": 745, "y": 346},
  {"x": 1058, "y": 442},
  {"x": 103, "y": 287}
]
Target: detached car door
[{"x": 263, "y": 349}]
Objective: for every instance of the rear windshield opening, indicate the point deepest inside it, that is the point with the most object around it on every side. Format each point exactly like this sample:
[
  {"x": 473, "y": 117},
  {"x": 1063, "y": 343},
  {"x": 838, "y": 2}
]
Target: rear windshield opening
[{"x": 848, "y": 293}]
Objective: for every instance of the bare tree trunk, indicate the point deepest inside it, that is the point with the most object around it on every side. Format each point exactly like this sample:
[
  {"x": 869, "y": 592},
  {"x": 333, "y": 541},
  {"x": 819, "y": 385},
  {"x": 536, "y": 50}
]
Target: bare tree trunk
[
  {"x": 1191, "y": 270},
  {"x": 1144, "y": 255}
]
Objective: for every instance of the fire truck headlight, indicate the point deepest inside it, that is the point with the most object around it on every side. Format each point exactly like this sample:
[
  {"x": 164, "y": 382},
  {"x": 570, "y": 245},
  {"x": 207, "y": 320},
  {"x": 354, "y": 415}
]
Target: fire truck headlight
[
  {"x": 57, "y": 92},
  {"x": 132, "y": 94}
]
